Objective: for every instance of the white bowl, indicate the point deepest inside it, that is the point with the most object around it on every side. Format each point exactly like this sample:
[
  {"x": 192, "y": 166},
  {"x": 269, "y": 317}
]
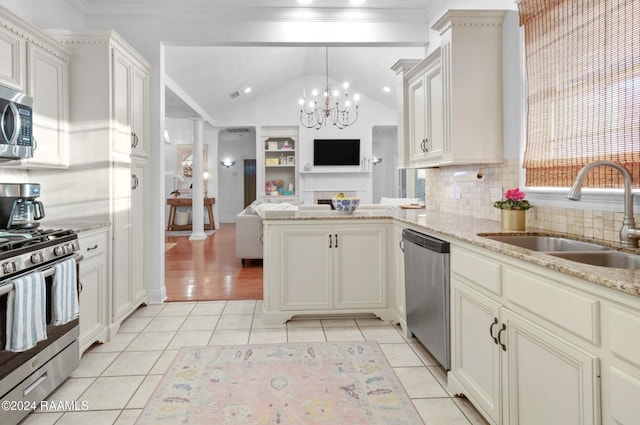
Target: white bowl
[{"x": 346, "y": 206}]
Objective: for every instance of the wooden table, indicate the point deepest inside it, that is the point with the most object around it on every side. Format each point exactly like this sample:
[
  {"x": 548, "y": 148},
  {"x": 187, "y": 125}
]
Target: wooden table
[{"x": 186, "y": 202}]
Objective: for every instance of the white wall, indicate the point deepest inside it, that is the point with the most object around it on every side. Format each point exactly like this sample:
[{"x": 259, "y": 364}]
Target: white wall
[
  {"x": 236, "y": 147},
  {"x": 385, "y": 174}
]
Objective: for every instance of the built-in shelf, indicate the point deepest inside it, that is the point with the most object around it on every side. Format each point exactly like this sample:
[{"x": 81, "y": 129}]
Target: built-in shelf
[{"x": 279, "y": 165}]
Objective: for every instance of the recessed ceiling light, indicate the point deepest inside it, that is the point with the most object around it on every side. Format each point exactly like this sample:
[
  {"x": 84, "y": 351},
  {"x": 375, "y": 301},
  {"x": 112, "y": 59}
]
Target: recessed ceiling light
[
  {"x": 247, "y": 90},
  {"x": 386, "y": 89},
  {"x": 305, "y": 1},
  {"x": 356, "y": 2}
]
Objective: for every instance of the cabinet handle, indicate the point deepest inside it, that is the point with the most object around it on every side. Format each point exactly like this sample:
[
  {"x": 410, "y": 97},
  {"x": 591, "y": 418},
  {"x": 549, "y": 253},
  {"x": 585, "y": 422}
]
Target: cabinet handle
[
  {"x": 502, "y": 329},
  {"x": 330, "y": 241},
  {"x": 336, "y": 240},
  {"x": 401, "y": 244},
  {"x": 35, "y": 144},
  {"x": 426, "y": 148},
  {"x": 135, "y": 182},
  {"x": 91, "y": 248},
  {"x": 134, "y": 140},
  {"x": 495, "y": 322}
]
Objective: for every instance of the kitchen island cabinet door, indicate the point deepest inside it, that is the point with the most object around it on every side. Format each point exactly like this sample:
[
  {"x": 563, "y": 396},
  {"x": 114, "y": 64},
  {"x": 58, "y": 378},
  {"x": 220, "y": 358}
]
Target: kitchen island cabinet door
[
  {"x": 475, "y": 356},
  {"x": 360, "y": 267},
  {"x": 306, "y": 265}
]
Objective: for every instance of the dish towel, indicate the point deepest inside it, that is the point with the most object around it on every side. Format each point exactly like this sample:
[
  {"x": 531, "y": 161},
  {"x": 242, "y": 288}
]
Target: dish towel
[
  {"x": 64, "y": 293},
  {"x": 26, "y": 313}
]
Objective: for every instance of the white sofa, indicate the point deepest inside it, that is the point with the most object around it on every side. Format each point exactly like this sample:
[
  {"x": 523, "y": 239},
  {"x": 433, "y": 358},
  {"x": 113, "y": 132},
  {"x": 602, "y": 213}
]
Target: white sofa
[{"x": 249, "y": 226}]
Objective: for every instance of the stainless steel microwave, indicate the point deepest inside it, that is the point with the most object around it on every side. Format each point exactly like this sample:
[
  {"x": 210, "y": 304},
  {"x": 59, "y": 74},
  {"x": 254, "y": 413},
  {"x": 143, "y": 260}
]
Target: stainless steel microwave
[{"x": 16, "y": 124}]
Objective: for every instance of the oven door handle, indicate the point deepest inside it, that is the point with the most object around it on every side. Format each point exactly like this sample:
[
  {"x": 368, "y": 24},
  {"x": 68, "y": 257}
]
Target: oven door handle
[
  {"x": 51, "y": 270},
  {"x": 5, "y": 289}
]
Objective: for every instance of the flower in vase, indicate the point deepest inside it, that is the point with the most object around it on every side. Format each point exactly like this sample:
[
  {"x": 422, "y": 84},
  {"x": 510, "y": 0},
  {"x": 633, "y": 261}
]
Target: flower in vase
[{"x": 513, "y": 199}]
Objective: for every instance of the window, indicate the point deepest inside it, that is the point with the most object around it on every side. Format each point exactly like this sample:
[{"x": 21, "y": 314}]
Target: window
[{"x": 583, "y": 100}]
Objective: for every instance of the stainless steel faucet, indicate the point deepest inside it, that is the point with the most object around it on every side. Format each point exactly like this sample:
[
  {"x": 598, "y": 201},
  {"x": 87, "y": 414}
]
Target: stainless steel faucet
[{"x": 629, "y": 234}]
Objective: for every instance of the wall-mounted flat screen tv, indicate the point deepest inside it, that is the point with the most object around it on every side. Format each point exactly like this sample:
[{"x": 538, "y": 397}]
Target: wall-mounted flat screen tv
[{"x": 336, "y": 152}]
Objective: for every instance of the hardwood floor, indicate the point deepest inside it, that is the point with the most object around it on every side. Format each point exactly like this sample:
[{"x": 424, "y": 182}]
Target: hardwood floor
[{"x": 208, "y": 270}]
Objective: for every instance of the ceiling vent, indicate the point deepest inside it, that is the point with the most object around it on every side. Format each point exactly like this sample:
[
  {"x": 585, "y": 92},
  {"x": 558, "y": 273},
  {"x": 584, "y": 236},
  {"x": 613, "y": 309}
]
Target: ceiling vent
[
  {"x": 234, "y": 95},
  {"x": 238, "y": 130}
]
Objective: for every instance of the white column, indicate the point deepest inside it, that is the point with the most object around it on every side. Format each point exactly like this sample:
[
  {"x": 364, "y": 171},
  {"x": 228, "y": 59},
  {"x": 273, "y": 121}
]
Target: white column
[{"x": 197, "y": 193}]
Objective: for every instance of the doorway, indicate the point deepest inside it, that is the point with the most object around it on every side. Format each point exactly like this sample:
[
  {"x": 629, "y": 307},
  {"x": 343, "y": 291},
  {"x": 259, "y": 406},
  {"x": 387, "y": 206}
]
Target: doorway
[{"x": 249, "y": 181}]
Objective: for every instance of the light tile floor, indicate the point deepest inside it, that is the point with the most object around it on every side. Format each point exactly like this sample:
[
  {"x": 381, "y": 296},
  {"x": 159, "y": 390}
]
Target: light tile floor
[{"x": 115, "y": 379}]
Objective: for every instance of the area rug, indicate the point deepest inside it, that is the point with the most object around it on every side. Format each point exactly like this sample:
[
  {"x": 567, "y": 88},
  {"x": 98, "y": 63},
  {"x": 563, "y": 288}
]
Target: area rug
[
  {"x": 298, "y": 383},
  {"x": 169, "y": 245}
]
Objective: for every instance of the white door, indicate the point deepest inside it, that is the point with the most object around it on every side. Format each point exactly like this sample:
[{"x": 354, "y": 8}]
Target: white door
[
  {"x": 546, "y": 380},
  {"x": 139, "y": 119},
  {"x": 122, "y": 79},
  {"x": 306, "y": 285},
  {"x": 475, "y": 352},
  {"x": 121, "y": 290},
  {"x": 139, "y": 233},
  {"x": 417, "y": 118},
  {"x": 360, "y": 267},
  {"x": 48, "y": 85}
]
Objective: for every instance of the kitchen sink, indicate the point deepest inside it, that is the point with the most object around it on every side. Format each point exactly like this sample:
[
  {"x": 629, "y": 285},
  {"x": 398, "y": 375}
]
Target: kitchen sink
[
  {"x": 615, "y": 259},
  {"x": 546, "y": 243}
]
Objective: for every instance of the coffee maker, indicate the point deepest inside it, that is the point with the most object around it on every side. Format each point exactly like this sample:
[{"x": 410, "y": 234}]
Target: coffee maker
[{"x": 18, "y": 207}]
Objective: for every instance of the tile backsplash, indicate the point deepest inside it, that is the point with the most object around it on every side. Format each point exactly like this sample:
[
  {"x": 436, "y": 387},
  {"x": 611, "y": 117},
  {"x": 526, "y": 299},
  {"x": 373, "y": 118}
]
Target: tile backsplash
[{"x": 473, "y": 198}]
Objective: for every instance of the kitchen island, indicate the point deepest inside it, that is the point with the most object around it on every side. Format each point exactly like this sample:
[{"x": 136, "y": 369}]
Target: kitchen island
[{"x": 532, "y": 335}]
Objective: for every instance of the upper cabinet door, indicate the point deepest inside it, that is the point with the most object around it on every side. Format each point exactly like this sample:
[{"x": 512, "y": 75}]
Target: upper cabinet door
[
  {"x": 12, "y": 60},
  {"x": 140, "y": 114},
  {"x": 48, "y": 79},
  {"x": 122, "y": 82}
]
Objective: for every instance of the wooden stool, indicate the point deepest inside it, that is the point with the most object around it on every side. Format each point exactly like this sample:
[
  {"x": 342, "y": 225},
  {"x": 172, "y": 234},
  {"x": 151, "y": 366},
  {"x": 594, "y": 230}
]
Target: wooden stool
[{"x": 187, "y": 202}]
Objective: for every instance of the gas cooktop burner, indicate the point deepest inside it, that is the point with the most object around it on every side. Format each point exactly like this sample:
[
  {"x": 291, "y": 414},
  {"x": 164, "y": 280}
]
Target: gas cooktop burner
[{"x": 16, "y": 242}]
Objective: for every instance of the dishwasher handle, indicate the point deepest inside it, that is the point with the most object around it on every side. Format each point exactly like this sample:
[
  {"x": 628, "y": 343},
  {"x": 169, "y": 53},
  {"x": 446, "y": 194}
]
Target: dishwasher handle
[{"x": 426, "y": 241}]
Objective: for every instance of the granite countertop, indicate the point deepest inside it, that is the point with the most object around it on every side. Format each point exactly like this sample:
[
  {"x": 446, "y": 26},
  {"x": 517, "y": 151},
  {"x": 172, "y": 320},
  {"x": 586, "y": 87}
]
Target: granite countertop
[
  {"x": 466, "y": 229},
  {"x": 74, "y": 225}
]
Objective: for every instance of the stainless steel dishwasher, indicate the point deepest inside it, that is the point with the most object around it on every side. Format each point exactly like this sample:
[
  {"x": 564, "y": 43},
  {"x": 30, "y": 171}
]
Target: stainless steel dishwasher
[{"x": 426, "y": 276}]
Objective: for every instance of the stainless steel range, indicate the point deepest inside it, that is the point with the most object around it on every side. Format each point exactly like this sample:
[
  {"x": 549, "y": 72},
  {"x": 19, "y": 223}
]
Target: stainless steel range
[{"x": 27, "y": 377}]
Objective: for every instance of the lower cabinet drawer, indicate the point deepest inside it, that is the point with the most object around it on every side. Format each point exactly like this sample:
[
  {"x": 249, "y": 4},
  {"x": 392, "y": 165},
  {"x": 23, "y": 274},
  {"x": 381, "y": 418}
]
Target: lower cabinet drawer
[
  {"x": 92, "y": 244},
  {"x": 547, "y": 299}
]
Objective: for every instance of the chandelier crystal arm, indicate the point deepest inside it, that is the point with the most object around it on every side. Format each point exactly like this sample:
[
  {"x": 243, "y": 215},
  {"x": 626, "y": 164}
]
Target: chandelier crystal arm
[{"x": 326, "y": 106}]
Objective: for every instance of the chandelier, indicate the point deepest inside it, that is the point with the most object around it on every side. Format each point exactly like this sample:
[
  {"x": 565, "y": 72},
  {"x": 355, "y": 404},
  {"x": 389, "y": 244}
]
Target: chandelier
[{"x": 325, "y": 106}]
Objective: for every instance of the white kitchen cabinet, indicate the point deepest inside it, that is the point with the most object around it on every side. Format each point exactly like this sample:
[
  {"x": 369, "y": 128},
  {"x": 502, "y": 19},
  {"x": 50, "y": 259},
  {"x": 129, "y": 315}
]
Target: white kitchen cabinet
[
  {"x": 31, "y": 61},
  {"x": 475, "y": 356},
  {"x": 139, "y": 230},
  {"x": 453, "y": 98},
  {"x": 94, "y": 297},
  {"x": 102, "y": 74},
  {"x": 122, "y": 296},
  {"x": 130, "y": 97},
  {"x": 325, "y": 268},
  {"x": 425, "y": 112},
  {"x": 13, "y": 60},
  {"x": 515, "y": 366},
  {"x": 48, "y": 85}
]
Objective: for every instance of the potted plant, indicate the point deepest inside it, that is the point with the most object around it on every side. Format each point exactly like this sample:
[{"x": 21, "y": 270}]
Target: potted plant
[{"x": 512, "y": 209}]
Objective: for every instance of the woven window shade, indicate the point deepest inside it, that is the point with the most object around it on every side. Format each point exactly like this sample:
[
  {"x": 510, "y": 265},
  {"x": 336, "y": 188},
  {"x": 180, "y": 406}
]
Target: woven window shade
[{"x": 583, "y": 102}]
